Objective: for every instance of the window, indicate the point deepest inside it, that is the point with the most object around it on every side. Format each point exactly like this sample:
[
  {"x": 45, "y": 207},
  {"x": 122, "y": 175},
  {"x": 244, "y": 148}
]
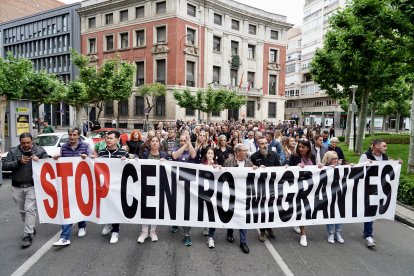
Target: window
[
  {"x": 250, "y": 79},
  {"x": 140, "y": 73},
  {"x": 251, "y": 51},
  {"x": 191, "y": 10},
  {"x": 234, "y": 47},
  {"x": 140, "y": 12},
  {"x": 160, "y": 106},
  {"x": 139, "y": 105},
  {"x": 274, "y": 35},
  {"x": 233, "y": 77},
  {"x": 250, "y": 109},
  {"x": 109, "y": 108},
  {"x": 109, "y": 42},
  {"x": 252, "y": 29},
  {"x": 272, "y": 84},
  {"x": 189, "y": 112},
  {"x": 161, "y": 69},
  {"x": 216, "y": 74},
  {"x": 273, "y": 55},
  {"x": 215, "y": 114},
  {"x": 140, "y": 38},
  {"x": 271, "y": 113},
  {"x": 161, "y": 7},
  {"x": 92, "y": 45},
  {"x": 124, "y": 39},
  {"x": 216, "y": 43},
  {"x": 191, "y": 36},
  {"x": 123, "y": 108},
  {"x": 235, "y": 24},
  {"x": 91, "y": 22},
  {"x": 109, "y": 18},
  {"x": 190, "y": 74},
  {"x": 123, "y": 16},
  {"x": 217, "y": 19},
  {"x": 161, "y": 34}
]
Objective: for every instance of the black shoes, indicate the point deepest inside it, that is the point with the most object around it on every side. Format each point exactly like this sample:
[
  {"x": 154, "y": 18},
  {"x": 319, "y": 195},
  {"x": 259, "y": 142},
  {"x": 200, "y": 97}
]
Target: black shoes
[
  {"x": 230, "y": 238},
  {"x": 27, "y": 241},
  {"x": 271, "y": 233},
  {"x": 244, "y": 248}
]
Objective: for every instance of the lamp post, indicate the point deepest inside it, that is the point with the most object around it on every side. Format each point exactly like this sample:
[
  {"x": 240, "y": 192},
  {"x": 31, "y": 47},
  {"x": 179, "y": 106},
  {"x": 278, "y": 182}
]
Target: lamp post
[{"x": 353, "y": 108}]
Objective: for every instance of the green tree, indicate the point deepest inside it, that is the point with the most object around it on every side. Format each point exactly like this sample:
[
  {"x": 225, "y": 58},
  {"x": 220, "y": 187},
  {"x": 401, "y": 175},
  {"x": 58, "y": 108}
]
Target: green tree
[
  {"x": 109, "y": 81},
  {"x": 209, "y": 100},
  {"x": 150, "y": 92}
]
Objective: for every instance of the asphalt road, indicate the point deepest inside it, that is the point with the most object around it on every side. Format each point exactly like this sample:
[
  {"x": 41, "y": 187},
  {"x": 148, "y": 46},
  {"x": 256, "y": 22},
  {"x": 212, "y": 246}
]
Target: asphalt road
[{"x": 93, "y": 255}]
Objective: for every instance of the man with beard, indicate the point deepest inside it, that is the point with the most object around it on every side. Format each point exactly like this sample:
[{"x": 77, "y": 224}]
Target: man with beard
[{"x": 265, "y": 158}]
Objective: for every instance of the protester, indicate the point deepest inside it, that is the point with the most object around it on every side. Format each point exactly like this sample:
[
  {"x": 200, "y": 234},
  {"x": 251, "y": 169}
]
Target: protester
[
  {"x": 265, "y": 158},
  {"x": 153, "y": 154},
  {"x": 334, "y": 230},
  {"x": 75, "y": 147},
  {"x": 318, "y": 149},
  {"x": 326, "y": 140},
  {"x": 19, "y": 162},
  {"x": 334, "y": 147},
  {"x": 112, "y": 151},
  {"x": 288, "y": 148},
  {"x": 47, "y": 128},
  {"x": 170, "y": 143},
  {"x": 185, "y": 152},
  {"x": 302, "y": 157},
  {"x": 377, "y": 152},
  {"x": 201, "y": 145},
  {"x": 239, "y": 160},
  {"x": 134, "y": 143}
]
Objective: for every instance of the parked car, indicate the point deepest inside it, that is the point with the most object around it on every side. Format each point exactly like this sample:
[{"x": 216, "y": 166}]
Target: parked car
[
  {"x": 94, "y": 125},
  {"x": 99, "y": 135}
]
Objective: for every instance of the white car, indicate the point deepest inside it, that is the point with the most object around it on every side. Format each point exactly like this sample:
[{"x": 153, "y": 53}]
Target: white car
[{"x": 52, "y": 142}]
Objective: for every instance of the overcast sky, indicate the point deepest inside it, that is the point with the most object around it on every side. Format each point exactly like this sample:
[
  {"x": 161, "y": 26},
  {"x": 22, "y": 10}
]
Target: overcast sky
[{"x": 293, "y": 9}]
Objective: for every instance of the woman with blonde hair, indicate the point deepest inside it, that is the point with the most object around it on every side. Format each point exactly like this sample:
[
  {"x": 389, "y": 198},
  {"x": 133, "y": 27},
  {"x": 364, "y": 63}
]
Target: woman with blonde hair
[
  {"x": 288, "y": 148},
  {"x": 278, "y": 135},
  {"x": 334, "y": 230}
]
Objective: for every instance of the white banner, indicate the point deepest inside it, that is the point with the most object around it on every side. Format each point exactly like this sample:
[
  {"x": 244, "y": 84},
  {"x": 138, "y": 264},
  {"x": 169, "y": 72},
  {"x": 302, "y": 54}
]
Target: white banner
[{"x": 175, "y": 193}]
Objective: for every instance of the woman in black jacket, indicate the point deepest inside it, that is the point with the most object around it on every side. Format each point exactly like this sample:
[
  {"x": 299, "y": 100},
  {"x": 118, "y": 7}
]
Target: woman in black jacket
[{"x": 302, "y": 157}]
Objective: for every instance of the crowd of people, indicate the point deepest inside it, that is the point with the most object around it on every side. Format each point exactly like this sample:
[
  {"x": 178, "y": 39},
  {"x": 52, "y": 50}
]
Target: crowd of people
[{"x": 226, "y": 144}]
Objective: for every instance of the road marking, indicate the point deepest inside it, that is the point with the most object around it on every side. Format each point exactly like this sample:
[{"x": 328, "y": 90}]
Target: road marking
[
  {"x": 279, "y": 260},
  {"x": 36, "y": 256}
]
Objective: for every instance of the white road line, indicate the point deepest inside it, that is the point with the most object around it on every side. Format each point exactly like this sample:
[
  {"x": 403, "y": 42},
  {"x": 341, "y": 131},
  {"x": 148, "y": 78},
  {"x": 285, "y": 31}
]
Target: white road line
[
  {"x": 279, "y": 260},
  {"x": 36, "y": 256}
]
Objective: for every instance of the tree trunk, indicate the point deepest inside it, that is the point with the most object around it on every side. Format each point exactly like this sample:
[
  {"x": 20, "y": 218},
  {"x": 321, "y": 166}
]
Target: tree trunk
[
  {"x": 397, "y": 122},
  {"x": 384, "y": 119},
  {"x": 3, "y": 105},
  {"x": 410, "y": 165},
  {"x": 78, "y": 118},
  {"x": 372, "y": 124},
  {"x": 362, "y": 120},
  {"x": 348, "y": 123}
]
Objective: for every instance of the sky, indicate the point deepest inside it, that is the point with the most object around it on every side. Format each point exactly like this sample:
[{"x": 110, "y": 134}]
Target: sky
[{"x": 293, "y": 9}]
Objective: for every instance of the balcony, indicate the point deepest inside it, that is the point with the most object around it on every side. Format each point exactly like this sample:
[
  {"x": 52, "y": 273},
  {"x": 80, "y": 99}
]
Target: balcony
[{"x": 253, "y": 92}]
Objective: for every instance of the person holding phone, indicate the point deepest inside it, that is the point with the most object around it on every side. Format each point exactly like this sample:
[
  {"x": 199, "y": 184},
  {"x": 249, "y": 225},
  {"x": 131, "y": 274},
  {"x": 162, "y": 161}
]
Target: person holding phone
[{"x": 19, "y": 162}]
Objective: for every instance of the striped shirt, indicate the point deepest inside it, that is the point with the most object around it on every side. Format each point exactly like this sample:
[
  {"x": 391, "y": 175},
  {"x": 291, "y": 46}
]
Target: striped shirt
[{"x": 117, "y": 153}]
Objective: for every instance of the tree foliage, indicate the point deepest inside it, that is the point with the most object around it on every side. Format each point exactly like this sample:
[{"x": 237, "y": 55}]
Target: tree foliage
[{"x": 150, "y": 92}]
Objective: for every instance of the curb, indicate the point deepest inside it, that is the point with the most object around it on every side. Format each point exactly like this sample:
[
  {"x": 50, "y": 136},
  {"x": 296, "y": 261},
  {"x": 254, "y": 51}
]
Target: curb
[{"x": 404, "y": 219}]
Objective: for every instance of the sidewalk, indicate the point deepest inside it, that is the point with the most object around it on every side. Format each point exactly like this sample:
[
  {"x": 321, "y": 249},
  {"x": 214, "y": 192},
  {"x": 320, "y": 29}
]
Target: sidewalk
[{"x": 405, "y": 214}]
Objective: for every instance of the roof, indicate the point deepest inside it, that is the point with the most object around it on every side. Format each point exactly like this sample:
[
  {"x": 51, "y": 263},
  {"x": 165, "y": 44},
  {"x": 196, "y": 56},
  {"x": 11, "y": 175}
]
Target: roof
[{"x": 13, "y": 9}]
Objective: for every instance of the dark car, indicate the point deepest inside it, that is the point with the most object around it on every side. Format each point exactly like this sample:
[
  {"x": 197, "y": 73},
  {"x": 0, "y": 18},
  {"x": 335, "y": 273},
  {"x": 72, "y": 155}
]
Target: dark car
[{"x": 94, "y": 125}]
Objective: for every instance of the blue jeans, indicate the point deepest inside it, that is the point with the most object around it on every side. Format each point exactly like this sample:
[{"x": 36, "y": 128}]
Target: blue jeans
[
  {"x": 67, "y": 229},
  {"x": 368, "y": 229},
  {"x": 243, "y": 234},
  {"x": 333, "y": 228}
]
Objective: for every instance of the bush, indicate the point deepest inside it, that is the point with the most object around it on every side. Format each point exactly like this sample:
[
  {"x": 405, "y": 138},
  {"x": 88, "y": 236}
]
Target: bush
[
  {"x": 406, "y": 191},
  {"x": 341, "y": 139}
]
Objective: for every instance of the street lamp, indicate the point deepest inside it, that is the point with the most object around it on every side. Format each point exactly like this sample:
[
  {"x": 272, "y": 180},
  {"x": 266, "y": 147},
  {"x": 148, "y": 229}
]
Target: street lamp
[{"x": 353, "y": 108}]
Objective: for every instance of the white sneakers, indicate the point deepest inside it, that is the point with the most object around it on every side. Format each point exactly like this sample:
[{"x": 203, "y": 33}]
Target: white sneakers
[
  {"x": 210, "y": 242},
  {"x": 114, "y": 237},
  {"x": 106, "y": 229},
  {"x": 331, "y": 238},
  {"x": 370, "y": 242},
  {"x": 303, "y": 240},
  {"x": 339, "y": 238},
  {"x": 62, "y": 242},
  {"x": 81, "y": 232},
  {"x": 154, "y": 236},
  {"x": 142, "y": 237},
  {"x": 296, "y": 229},
  {"x": 205, "y": 231}
]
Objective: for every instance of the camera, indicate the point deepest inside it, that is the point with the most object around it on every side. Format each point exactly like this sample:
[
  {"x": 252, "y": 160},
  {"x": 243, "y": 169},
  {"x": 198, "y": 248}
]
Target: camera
[{"x": 27, "y": 153}]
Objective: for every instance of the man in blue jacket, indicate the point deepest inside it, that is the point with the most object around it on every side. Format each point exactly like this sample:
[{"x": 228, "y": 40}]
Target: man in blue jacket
[{"x": 75, "y": 147}]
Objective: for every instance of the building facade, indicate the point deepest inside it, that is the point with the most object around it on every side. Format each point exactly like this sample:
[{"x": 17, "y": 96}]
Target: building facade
[
  {"x": 46, "y": 38},
  {"x": 305, "y": 101},
  {"x": 190, "y": 44}
]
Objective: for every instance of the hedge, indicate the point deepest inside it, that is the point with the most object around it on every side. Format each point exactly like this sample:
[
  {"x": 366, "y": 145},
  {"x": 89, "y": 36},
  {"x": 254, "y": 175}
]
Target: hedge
[{"x": 406, "y": 191}]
